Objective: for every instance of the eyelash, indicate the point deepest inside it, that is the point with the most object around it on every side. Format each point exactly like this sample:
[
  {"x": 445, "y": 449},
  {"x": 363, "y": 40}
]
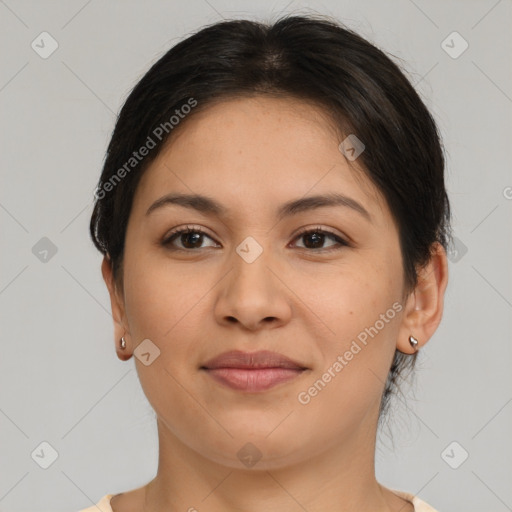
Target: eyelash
[{"x": 167, "y": 242}]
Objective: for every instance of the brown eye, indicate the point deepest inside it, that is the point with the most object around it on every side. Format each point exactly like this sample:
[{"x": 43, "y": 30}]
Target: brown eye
[
  {"x": 314, "y": 239},
  {"x": 190, "y": 239}
]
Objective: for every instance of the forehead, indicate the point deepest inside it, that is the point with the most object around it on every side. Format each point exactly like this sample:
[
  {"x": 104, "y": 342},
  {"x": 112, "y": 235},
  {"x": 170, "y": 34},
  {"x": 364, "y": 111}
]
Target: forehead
[{"x": 258, "y": 149}]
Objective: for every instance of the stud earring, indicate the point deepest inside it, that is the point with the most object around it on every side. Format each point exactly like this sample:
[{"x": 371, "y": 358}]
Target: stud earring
[
  {"x": 123, "y": 343},
  {"x": 414, "y": 342}
]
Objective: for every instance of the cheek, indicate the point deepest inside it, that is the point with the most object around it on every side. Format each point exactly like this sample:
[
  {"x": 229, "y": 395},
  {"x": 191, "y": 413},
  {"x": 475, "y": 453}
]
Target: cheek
[
  {"x": 362, "y": 312},
  {"x": 170, "y": 306},
  {"x": 162, "y": 308},
  {"x": 160, "y": 297},
  {"x": 354, "y": 362},
  {"x": 350, "y": 300}
]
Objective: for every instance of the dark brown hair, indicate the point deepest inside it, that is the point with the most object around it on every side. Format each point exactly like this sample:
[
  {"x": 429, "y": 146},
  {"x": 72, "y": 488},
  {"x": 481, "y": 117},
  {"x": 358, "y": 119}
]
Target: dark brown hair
[{"x": 312, "y": 58}]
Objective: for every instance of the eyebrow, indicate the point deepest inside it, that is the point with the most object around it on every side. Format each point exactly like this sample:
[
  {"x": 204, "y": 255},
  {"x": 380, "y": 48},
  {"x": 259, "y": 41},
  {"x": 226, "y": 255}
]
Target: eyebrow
[{"x": 208, "y": 205}]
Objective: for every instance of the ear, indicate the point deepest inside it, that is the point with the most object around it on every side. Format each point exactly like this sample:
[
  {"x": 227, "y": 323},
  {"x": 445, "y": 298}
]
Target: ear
[
  {"x": 118, "y": 310},
  {"x": 424, "y": 306}
]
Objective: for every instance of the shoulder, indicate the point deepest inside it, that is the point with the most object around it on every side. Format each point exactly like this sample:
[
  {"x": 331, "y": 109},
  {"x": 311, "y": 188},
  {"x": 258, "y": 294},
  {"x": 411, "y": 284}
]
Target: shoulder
[
  {"x": 419, "y": 505},
  {"x": 102, "y": 506}
]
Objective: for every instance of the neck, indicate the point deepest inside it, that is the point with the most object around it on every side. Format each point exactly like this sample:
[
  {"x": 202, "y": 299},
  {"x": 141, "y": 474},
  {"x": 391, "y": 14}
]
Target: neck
[{"x": 341, "y": 478}]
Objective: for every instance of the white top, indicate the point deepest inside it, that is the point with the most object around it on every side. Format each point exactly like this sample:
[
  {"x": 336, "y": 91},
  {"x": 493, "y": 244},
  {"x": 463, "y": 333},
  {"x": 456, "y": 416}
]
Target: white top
[{"x": 419, "y": 506}]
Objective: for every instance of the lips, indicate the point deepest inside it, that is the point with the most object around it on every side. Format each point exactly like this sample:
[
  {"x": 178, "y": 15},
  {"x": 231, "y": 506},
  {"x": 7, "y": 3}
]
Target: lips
[
  {"x": 252, "y": 371},
  {"x": 252, "y": 360}
]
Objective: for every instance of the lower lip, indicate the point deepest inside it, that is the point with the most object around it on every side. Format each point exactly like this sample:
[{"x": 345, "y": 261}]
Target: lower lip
[{"x": 253, "y": 380}]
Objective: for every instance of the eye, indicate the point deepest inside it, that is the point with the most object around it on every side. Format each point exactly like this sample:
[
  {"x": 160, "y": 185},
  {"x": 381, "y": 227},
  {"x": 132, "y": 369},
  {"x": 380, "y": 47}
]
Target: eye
[
  {"x": 190, "y": 237},
  {"x": 315, "y": 239}
]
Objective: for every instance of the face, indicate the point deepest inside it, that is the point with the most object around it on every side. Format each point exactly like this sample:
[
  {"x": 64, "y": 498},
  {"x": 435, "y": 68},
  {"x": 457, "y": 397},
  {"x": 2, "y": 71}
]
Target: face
[{"x": 247, "y": 278}]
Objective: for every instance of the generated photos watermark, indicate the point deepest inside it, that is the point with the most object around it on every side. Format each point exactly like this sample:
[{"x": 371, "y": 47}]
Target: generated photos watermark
[
  {"x": 304, "y": 397},
  {"x": 158, "y": 133}
]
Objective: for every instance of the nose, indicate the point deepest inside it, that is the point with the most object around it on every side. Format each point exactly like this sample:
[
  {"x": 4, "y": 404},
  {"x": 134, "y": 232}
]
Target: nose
[{"x": 254, "y": 294}]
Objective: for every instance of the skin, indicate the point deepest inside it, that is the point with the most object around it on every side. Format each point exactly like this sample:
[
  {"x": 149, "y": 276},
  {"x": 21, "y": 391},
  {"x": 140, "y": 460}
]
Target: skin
[{"x": 304, "y": 301}]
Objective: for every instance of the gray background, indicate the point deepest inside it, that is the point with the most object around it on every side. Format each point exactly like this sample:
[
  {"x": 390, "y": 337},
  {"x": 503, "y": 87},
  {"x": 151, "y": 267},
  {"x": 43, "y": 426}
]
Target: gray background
[{"x": 60, "y": 379}]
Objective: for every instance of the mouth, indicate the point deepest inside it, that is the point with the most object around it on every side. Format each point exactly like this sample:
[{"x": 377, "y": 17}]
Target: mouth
[{"x": 252, "y": 372}]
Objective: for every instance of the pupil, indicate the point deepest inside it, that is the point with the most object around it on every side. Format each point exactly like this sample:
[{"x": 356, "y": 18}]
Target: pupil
[
  {"x": 316, "y": 239},
  {"x": 315, "y": 236},
  {"x": 192, "y": 235}
]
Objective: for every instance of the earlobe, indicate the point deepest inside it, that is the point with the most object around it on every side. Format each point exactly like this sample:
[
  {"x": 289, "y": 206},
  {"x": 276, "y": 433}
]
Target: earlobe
[
  {"x": 117, "y": 306},
  {"x": 424, "y": 308},
  {"x": 122, "y": 352},
  {"x": 414, "y": 343}
]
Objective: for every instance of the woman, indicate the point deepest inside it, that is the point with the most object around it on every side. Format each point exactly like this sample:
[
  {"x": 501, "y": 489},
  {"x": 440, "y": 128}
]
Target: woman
[{"x": 274, "y": 223}]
